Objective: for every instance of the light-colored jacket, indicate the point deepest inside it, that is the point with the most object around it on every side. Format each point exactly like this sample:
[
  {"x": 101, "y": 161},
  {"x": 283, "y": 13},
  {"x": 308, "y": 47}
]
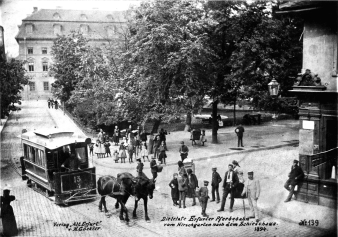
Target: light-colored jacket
[{"x": 255, "y": 188}]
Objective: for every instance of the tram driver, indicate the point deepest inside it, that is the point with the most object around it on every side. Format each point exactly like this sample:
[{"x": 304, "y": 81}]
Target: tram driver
[{"x": 72, "y": 163}]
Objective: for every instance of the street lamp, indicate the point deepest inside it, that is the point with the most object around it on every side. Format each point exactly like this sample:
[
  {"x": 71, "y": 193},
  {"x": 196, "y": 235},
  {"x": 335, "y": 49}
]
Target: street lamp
[{"x": 273, "y": 87}]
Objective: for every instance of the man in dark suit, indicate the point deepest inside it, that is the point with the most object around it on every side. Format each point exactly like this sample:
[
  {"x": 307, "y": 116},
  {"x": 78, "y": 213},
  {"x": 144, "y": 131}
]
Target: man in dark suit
[
  {"x": 193, "y": 184},
  {"x": 239, "y": 131},
  {"x": 229, "y": 186},
  {"x": 295, "y": 177},
  {"x": 203, "y": 196},
  {"x": 216, "y": 180}
]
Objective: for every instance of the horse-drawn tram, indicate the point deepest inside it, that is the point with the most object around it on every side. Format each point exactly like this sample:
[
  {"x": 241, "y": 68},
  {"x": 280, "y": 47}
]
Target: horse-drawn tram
[{"x": 56, "y": 162}]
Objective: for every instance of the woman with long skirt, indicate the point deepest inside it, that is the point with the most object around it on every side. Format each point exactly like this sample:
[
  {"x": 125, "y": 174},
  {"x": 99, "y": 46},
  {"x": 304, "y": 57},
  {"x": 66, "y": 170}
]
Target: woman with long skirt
[{"x": 7, "y": 213}]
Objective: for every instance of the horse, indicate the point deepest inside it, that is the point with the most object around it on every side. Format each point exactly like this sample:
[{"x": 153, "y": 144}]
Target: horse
[
  {"x": 142, "y": 192},
  {"x": 111, "y": 186}
]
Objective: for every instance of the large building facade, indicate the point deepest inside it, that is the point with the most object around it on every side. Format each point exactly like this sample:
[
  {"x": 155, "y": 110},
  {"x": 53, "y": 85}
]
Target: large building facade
[{"x": 38, "y": 31}]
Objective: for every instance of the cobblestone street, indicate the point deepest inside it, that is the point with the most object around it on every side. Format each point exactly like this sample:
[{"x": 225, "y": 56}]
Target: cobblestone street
[{"x": 37, "y": 215}]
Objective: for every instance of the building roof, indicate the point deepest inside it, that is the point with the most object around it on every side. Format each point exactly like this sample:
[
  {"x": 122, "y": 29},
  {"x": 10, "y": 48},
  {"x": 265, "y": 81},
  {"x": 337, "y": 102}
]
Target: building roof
[
  {"x": 53, "y": 138},
  {"x": 77, "y": 15},
  {"x": 44, "y": 21}
]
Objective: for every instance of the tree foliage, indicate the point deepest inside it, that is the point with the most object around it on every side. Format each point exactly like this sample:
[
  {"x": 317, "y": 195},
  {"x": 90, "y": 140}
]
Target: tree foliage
[{"x": 12, "y": 80}]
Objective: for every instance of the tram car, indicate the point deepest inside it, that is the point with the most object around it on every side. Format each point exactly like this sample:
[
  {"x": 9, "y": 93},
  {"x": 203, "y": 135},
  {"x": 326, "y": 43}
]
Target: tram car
[{"x": 45, "y": 152}]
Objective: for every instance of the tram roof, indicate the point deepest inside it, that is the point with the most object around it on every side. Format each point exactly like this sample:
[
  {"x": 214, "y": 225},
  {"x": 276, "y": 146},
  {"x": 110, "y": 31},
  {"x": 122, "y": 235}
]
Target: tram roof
[{"x": 52, "y": 138}]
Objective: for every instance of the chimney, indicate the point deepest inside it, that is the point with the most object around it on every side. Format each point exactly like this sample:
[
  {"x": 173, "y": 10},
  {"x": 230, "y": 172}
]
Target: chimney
[{"x": 35, "y": 9}]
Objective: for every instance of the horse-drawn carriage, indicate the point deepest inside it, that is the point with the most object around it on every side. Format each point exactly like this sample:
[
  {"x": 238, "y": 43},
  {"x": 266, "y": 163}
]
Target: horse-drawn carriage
[
  {"x": 44, "y": 153},
  {"x": 197, "y": 135}
]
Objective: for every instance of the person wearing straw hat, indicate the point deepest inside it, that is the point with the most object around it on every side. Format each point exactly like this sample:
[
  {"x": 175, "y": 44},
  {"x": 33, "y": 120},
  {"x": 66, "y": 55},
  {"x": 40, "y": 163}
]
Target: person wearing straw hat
[
  {"x": 215, "y": 181},
  {"x": 7, "y": 213},
  {"x": 153, "y": 167},
  {"x": 295, "y": 177},
  {"x": 253, "y": 190},
  {"x": 203, "y": 197}
]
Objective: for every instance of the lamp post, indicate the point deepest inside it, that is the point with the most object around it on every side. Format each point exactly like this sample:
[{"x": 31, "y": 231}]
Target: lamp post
[{"x": 273, "y": 87}]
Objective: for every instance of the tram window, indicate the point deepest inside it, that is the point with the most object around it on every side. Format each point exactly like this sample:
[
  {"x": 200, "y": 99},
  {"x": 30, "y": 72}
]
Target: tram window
[
  {"x": 42, "y": 158},
  {"x": 33, "y": 154},
  {"x": 37, "y": 156},
  {"x": 81, "y": 153},
  {"x": 25, "y": 150}
]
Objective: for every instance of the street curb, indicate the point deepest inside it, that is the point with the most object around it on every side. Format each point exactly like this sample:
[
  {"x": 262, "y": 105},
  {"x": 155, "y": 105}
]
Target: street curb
[{"x": 211, "y": 157}]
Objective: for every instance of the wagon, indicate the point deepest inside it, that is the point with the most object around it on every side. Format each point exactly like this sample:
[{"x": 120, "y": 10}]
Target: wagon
[{"x": 44, "y": 151}]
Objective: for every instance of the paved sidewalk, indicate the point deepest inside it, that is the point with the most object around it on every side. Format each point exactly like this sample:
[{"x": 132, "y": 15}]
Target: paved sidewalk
[{"x": 269, "y": 151}]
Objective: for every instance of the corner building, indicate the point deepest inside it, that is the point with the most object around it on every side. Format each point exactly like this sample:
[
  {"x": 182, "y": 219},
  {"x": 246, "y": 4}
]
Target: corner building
[{"x": 38, "y": 31}]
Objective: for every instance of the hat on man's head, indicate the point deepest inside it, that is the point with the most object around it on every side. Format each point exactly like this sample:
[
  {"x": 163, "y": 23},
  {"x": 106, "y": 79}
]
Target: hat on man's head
[
  {"x": 213, "y": 168},
  {"x": 231, "y": 165},
  {"x": 250, "y": 172},
  {"x": 182, "y": 142},
  {"x": 153, "y": 157},
  {"x": 189, "y": 171},
  {"x": 235, "y": 163},
  {"x": 295, "y": 161},
  {"x": 7, "y": 187},
  {"x": 206, "y": 182},
  {"x": 138, "y": 159}
]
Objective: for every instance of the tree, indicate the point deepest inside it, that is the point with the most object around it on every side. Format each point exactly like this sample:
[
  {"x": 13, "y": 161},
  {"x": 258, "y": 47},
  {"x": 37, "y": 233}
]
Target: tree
[
  {"x": 12, "y": 79},
  {"x": 67, "y": 51},
  {"x": 250, "y": 42},
  {"x": 168, "y": 59}
]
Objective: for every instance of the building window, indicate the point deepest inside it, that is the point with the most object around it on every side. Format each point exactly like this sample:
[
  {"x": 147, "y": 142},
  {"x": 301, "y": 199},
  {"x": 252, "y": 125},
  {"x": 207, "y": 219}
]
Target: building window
[
  {"x": 56, "y": 16},
  {"x": 29, "y": 29},
  {"x": 31, "y": 67},
  {"x": 84, "y": 29},
  {"x": 30, "y": 50},
  {"x": 46, "y": 85},
  {"x": 44, "y": 50},
  {"x": 32, "y": 86},
  {"x": 45, "y": 66},
  {"x": 57, "y": 29}
]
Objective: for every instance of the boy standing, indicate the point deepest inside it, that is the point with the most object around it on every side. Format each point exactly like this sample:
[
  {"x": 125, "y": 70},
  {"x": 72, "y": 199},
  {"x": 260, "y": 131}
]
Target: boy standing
[
  {"x": 203, "y": 194},
  {"x": 215, "y": 181}
]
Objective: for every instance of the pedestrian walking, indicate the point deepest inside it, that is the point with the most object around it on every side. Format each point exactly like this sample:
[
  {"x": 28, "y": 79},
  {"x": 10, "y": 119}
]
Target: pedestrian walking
[
  {"x": 151, "y": 144},
  {"x": 193, "y": 184},
  {"x": 174, "y": 189},
  {"x": 153, "y": 167},
  {"x": 91, "y": 149},
  {"x": 107, "y": 148},
  {"x": 7, "y": 214},
  {"x": 143, "y": 137},
  {"x": 181, "y": 169},
  {"x": 183, "y": 151},
  {"x": 130, "y": 151},
  {"x": 183, "y": 189},
  {"x": 239, "y": 131},
  {"x": 215, "y": 181},
  {"x": 52, "y": 103},
  {"x": 56, "y": 103},
  {"x": 295, "y": 177},
  {"x": 116, "y": 136},
  {"x": 122, "y": 153},
  {"x": 162, "y": 155},
  {"x": 162, "y": 135},
  {"x": 252, "y": 190},
  {"x": 48, "y": 101},
  {"x": 144, "y": 151},
  {"x": 116, "y": 156},
  {"x": 229, "y": 185},
  {"x": 156, "y": 146},
  {"x": 100, "y": 136},
  {"x": 203, "y": 138},
  {"x": 203, "y": 194}
]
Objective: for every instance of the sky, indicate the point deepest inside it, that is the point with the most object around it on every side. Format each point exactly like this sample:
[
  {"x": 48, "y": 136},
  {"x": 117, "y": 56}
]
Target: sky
[{"x": 13, "y": 11}]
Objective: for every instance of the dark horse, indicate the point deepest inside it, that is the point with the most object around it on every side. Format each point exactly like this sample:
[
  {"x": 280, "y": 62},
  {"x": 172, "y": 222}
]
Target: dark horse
[{"x": 110, "y": 186}]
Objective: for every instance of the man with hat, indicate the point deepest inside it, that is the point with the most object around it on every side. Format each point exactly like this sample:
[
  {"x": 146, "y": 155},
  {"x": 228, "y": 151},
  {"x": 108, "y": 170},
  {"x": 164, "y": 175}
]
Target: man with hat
[
  {"x": 236, "y": 166},
  {"x": 183, "y": 151},
  {"x": 253, "y": 190},
  {"x": 229, "y": 186},
  {"x": 153, "y": 167},
  {"x": 295, "y": 177},
  {"x": 239, "y": 131},
  {"x": 203, "y": 197},
  {"x": 215, "y": 181},
  {"x": 72, "y": 163}
]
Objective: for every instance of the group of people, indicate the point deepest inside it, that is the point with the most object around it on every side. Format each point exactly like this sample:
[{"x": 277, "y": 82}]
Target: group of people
[
  {"x": 185, "y": 184},
  {"x": 52, "y": 103}
]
